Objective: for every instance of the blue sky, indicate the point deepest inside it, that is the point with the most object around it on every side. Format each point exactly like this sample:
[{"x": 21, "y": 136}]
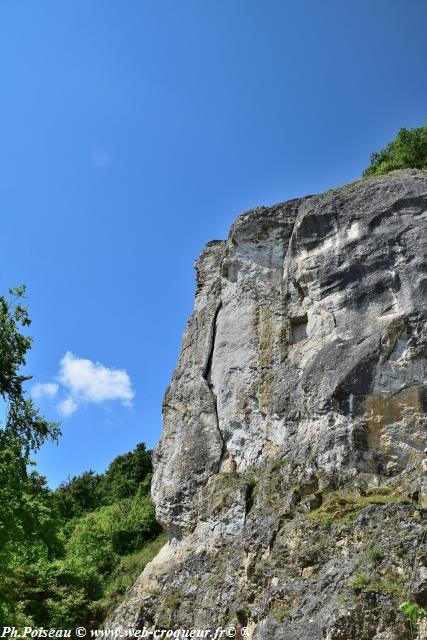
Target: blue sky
[{"x": 131, "y": 133}]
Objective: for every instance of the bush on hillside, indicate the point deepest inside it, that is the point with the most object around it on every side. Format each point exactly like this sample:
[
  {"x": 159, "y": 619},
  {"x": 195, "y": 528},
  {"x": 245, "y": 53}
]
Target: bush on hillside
[
  {"x": 407, "y": 151},
  {"x": 127, "y": 474},
  {"x": 102, "y": 536}
]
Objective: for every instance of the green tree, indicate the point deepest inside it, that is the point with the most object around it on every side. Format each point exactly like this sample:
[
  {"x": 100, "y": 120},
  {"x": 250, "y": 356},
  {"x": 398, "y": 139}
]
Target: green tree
[
  {"x": 125, "y": 474},
  {"x": 78, "y": 495},
  {"x": 24, "y": 424},
  {"x": 407, "y": 150},
  {"x": 57, "y": 593},
  {"x": 102, "y": 536},
  {"x": 27, "y": 530}
]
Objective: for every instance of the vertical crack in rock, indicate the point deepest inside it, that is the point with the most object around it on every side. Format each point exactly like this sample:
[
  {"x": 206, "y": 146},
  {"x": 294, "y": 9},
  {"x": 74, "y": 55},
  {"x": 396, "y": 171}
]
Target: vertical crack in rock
[
  {"x": 207, "y": 369},
  {"x": 249, "y": 498},
  {"x": 207, "y": 372}
]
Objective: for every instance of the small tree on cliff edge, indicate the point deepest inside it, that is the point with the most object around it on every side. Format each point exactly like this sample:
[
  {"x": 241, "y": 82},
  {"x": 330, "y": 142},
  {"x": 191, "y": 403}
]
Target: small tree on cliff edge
[{"x": 407, "y": 151}]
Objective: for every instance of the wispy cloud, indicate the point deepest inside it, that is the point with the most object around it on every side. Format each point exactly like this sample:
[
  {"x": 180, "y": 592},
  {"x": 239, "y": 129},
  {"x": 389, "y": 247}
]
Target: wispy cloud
[
  {"x": 100, "y": 158},
  {"x": 82, "y": 381},
  {"x": 67, "y": 406},
  {"x": 46, "y": 390}
]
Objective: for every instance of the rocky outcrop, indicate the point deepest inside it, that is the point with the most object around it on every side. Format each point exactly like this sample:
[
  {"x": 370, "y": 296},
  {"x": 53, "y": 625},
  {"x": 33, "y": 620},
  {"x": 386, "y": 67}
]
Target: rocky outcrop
[{"x": 288, "y": 473}]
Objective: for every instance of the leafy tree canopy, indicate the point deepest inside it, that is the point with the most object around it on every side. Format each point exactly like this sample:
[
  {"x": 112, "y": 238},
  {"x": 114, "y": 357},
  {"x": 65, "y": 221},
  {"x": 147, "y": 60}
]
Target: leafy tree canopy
[
  {"x": 126, "y": 476},
  {"x": 126, "y": 473},
  {"x": 24, "y": 425},
  {"x": 27, "y": 529},
  {"x": 407, "y": 151}
]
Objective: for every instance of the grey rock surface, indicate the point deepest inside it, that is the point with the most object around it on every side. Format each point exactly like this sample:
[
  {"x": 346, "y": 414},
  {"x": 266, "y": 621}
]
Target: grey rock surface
[{"x": 295, "y": 422}]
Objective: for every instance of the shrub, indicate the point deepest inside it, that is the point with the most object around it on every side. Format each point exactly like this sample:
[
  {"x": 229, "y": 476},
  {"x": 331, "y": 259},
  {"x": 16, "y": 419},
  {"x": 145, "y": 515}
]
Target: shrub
[
  {"x": 413, "y": 611},
  {"x": 101, "y": 536},
  {"x": 57, "y": 593},
  {"x": 359, "y": 582},
  {"x": 407, "y": 150},
  {"x": 376, "y": 554}
]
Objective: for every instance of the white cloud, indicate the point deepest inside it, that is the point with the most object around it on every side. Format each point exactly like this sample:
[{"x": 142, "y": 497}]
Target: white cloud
[
  {"x": 47, "y": 389},
  {"x": 88, "y": 381},
  {"x": 100, "y": 158},
  {"x": 81, "y": 381},
  {"x": 67, "y": 406}
]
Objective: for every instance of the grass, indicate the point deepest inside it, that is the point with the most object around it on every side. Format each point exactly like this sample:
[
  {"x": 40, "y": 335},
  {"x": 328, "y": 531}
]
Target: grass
[
  {"x": 277, "y": 464},
  {"x": 359, "y": 582},
  {"x": 282, "y": 613},
  {"x": 173, "y": 600},
  {"x": 218, "y": 577},
  {"x": 366, "y": 583},
  {"x": 340, "y": 508},
  {"x": 131, "y": 566},
  {"x": 127, "y": 571},
  {"x": 280, "y": 610},
  {"x": 376, "y": 554},
  {"x": 380, "y": 498}
]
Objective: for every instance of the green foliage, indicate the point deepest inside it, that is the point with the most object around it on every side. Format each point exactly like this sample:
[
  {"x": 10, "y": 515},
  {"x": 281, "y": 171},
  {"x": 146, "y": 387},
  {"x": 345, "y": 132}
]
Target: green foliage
[
  {"x": 376, "y": 554},
  {"x": 101, "y": 536},
  {"x": 24, "y": 425},
  {"x": 77, "y": 496},
  {"x": 59, "y": 549},
  {"x": 365, "y": 582},
  {"x": 27, "y": 529},
  {"x": 131, "y": 565},
  {"x": 122, "y": 577},
  {"x": 75, "y": 588},
  {"x": 64, "y": 578},
  {"x": 106, "y": 517},
  {"x": 407, "y": 150},
  {"x": 360, "y": 581},
  {"x": 282, "y": 612},
  {"x": 172, "y": 600},
  {"x": 125, "y": 475},
  {"x": 59, "y": 593},
  {"x": 339, "y": 507},
  {"x": 413, "y": 611}
]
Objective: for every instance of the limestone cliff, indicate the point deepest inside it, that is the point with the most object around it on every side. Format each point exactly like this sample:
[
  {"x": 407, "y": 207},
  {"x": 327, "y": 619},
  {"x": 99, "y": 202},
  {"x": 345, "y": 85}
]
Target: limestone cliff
[{"x": 288, "y": 471}]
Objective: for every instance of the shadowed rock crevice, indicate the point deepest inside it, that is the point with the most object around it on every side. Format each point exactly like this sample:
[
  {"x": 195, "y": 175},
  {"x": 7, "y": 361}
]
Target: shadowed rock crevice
[
  {"x": 207, "y": 376},
  {"x": 298, "y": 329},
  {"x": 207, "y": 370}
]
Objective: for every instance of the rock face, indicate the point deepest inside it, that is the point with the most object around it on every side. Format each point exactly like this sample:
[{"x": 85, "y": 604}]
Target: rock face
[{"x": 288, "y": 472}]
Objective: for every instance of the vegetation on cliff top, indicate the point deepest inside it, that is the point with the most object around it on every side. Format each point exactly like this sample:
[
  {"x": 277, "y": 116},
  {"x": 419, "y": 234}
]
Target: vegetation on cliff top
[{"x": 407, "y": 151}]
